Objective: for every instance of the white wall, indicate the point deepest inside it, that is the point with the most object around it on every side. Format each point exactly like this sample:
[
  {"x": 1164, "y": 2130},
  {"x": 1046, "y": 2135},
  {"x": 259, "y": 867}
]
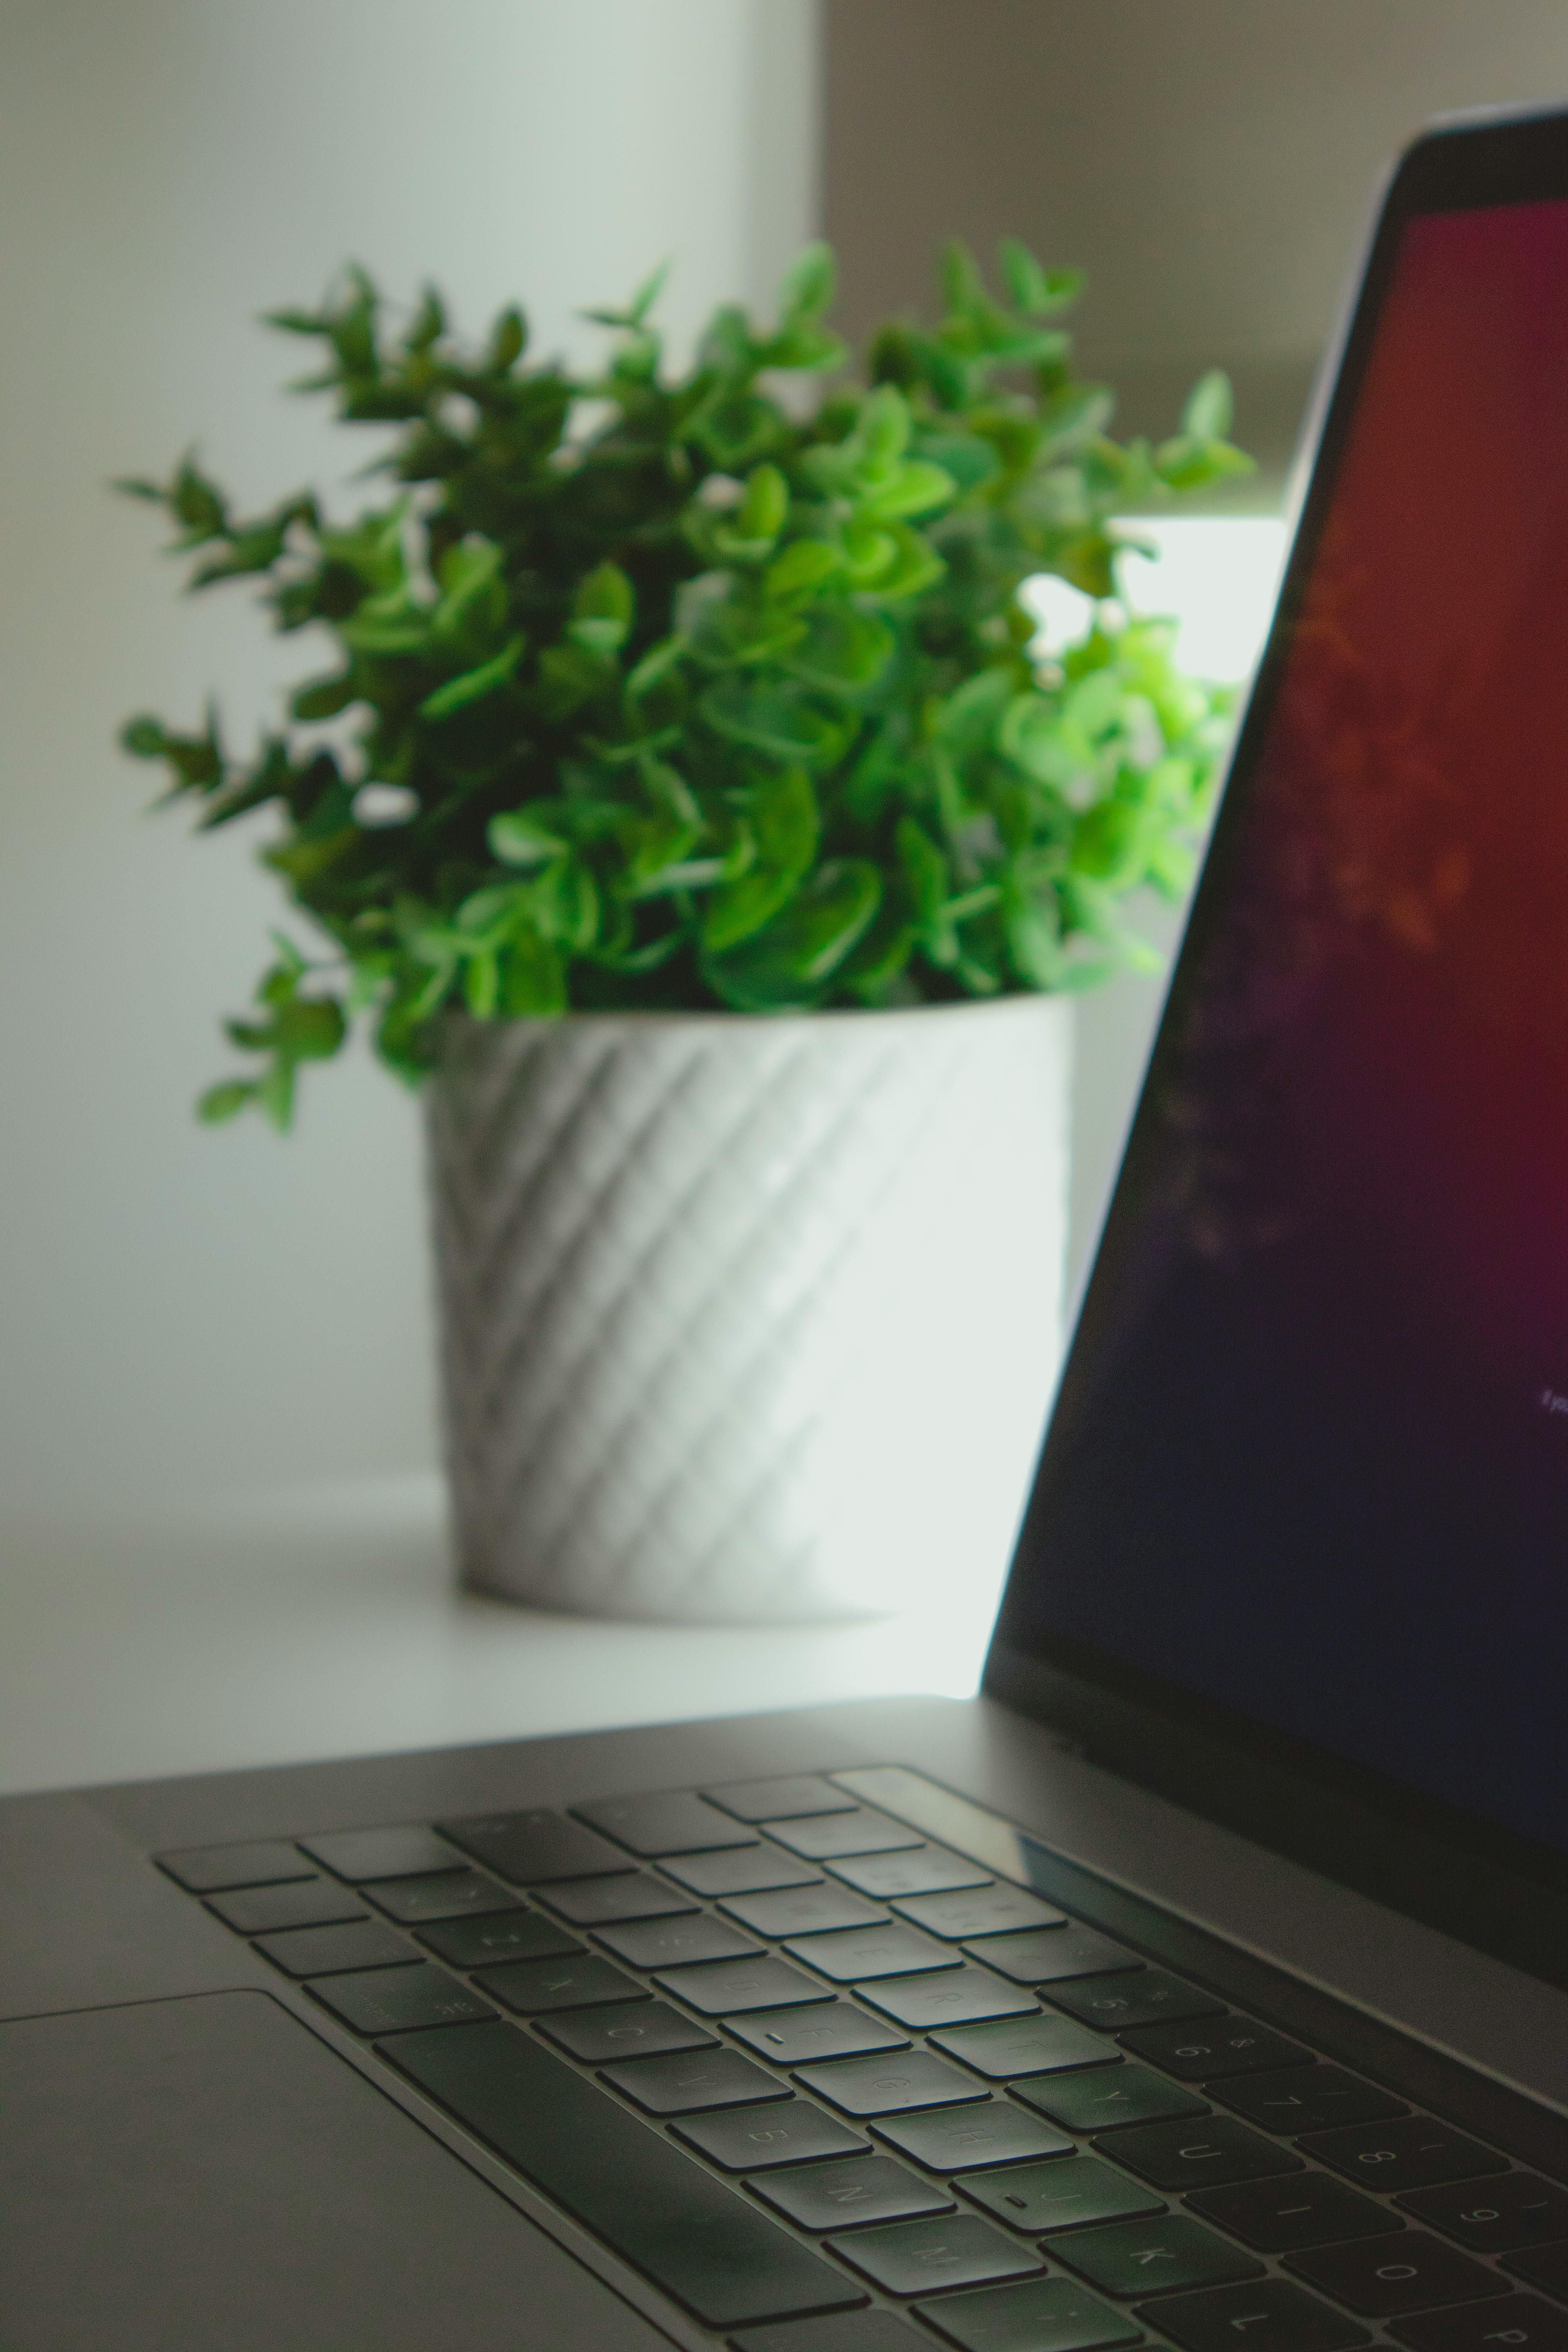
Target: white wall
[{"x": 184, "y": 1312}]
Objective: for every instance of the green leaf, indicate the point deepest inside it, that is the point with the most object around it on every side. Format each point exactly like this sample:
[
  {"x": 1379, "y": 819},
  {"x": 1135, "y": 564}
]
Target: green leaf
[
  {"x": 197, "y": 503},
  {"x": 842, "y": 650},
  {"x": 461, "y": 693},
  {"x": 915, "y": 488},
  {"x": 1210, "y": 407},
  {"x": 604, "y": 595},
  {"x": 311, "y": 1029},
  {"x": 274, "y": 1096},
  {"x": 326, "y": 696},
  {"x": 508, "y": 337},
  {"x": 1188, "y": 463},
  {"x": 792, "y": 959},
  {"x": 925, "y": 873},
  {"x": 226, "y": 1100},
  {"x": 648, "y": 294},
  {"x": 533, "y": 979},
  {"x": 809, "y": 283},
  {"x": 1036, "y": 291},
  {"x": 761, "y": 512},
  {"x": 660, "y": 661},
  {"x": 772, "y": 719},
  {"x": 802, "y": 568},
  {"x": 142, "y": 737},
  {"x": 1033, "y": 941},
  {"x": 518, "y": 837},
  {"x": 967, "y": 722},
  {"x": 785, "y": 826}
]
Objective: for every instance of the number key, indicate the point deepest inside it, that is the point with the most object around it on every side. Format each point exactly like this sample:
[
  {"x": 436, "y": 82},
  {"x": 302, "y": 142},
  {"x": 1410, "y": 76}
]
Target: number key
[
  {"x": 1411, "y": 2152},
  {"x": 1495, "y": 2216},
  {"x": 1216, "y": 2046},
  {"x": 1307, "y": 2098},
  {"x": 1114, "y": 2003}
]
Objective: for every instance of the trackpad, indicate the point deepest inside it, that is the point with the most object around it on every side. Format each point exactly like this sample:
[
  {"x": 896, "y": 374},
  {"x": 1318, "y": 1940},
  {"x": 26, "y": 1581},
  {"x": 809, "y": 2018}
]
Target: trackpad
[{"x": 179, "y": 2175}]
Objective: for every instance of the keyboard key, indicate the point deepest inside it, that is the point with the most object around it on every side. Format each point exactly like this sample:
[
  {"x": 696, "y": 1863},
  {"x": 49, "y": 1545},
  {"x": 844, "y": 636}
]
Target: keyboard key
[
  {"x": 400, "y": 2000},
  {"x": 979, "y": 1911},
  {"x": 453, "y": 1894},
  {"x": 1515, "y": 2323},
  {"x": 824, "y": 1837},
  {"x": 512, "y": 1935},
  {"x": 534, "y": 1988},
  {"x": 1054, "y": 2315},
  {"x": 675, "y": 1823},
  {"x": 1228, "y": 2045},
  {"x": 959, "y": 1996},
  {"x": 1055, "y": 1955},
  {"x": 928, "y": 1870},
  {"x": 1198, "y": 2156},
  {"x": 781, "y": 1801},
  {"x": 1381, "y": 2276},
  {"x": 859, "y": 1954},
  {"x": 730, "y": 1987},
  {"x": 835, "y": 2029},
  {"x": 860, "y": 2189},
  {"x": 359, "y": 1854},
  {"x": 624, "y": 2030},
  {"x": 1066, "y": 2194},
  {"x": 1129, "y": 2258},
  {"x": 1094, "y": 2102},
  {"x": 805, "y": 1910},
  {"x": 1116, "y": 2002},
  {"x": 1307, "y": 2098},
  {"x": 1516, "y": 2208},
  {"x": 213, "y": 1869},
  {"x": 530, "y": 1849},
  {"x": 1272, "y": 2317},
  {"x": 917, "y": 2257},
  {"x": 1028, "y": 2045},
  {"x": 332, "y": 1951},
  {"x": 1410, "y": 2152},
  {"x": 667, "y": 1943},
  {"x": 789, "y": 2131},
  {"x": 889, "y": 2086},
  {"x": 602, "y": 1902},
  {"x": 684, "y": 2086},
  {"x": 694, "y": 2236},
  {"x": 749, "y": 1871},
  {"x": 848, "y": 2331},
  {"x": 1544, "y": 2267},
  {"x": 308, "y": 1903},
  {"x": 1279, "y": 2217},
  {"x": 1184, "y": 2156},
  {"x": 963, "y": 2139}
]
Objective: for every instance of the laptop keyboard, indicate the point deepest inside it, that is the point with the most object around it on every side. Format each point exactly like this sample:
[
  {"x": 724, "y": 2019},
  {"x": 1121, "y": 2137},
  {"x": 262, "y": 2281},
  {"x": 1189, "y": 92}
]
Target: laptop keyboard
[{"x": 835, "y": 2088}]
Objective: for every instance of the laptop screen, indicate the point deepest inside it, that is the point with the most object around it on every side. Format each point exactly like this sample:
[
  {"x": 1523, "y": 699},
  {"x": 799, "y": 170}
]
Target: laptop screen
[{"x": 1310, "y": 1463}]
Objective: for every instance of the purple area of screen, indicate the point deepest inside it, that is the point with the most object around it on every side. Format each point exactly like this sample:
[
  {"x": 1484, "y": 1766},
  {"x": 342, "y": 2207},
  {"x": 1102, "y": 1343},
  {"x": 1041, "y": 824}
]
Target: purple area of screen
[{"x": 1312, "y": 1461}]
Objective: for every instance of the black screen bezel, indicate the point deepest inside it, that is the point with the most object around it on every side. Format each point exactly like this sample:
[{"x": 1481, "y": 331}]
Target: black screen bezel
[{"x": 1504, "y": 1893}]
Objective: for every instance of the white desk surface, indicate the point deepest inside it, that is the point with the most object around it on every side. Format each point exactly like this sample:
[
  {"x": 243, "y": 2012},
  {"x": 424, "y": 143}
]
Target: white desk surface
[{"x": 326, "y": 1623}]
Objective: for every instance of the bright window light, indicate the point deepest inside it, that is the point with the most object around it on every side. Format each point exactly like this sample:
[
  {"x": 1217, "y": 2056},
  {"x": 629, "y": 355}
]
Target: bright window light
[{"x": 1215, "y": 575}]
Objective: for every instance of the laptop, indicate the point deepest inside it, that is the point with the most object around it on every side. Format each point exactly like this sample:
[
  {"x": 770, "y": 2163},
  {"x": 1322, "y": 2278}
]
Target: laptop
[{"x": 1203, "y": 1984}]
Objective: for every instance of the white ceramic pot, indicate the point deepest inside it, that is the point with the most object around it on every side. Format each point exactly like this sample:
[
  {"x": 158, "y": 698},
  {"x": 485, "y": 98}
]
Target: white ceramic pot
[{"x": 747, "y": 1318}]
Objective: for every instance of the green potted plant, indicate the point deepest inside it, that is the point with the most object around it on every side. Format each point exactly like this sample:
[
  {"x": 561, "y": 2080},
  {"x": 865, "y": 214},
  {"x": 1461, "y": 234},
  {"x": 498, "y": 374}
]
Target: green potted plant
[{"x": 688, "y": 804}]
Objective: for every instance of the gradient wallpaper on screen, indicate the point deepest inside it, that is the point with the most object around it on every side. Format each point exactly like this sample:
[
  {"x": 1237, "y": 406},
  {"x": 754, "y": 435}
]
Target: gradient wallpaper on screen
[{"x": 1313, "y": 1461}]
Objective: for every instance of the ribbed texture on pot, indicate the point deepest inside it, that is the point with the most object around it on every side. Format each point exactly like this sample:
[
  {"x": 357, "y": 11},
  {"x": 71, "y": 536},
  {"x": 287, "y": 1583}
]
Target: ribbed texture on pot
[{"x": 744, "y": 1319}]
